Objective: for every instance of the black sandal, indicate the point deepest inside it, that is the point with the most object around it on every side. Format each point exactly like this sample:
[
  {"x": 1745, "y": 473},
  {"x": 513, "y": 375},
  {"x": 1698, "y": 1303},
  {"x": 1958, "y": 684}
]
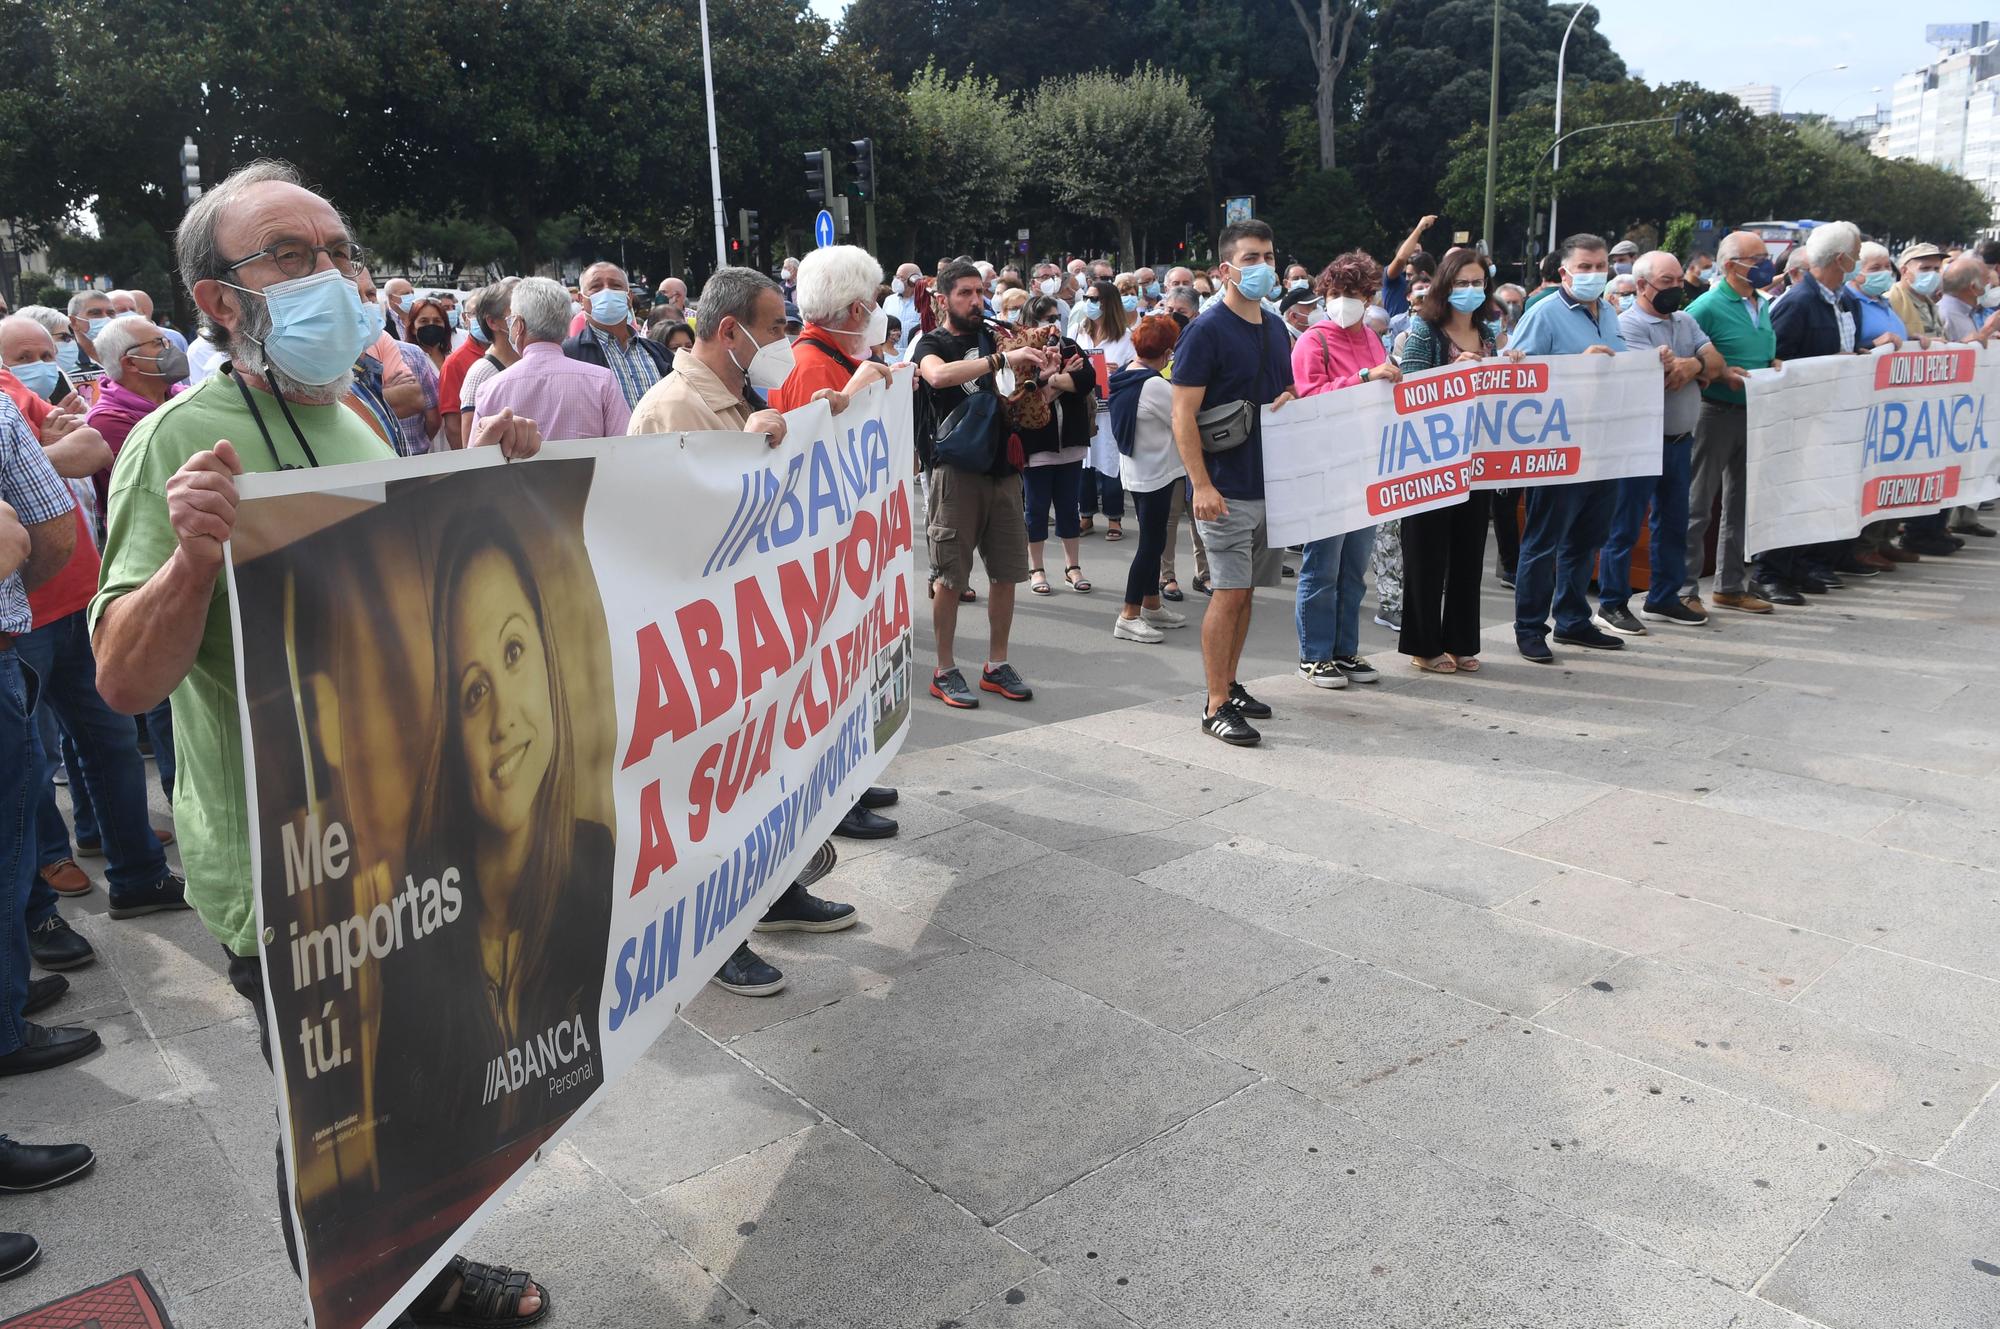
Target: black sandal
[
  {"x": 1079, "y": 583},
  {"x": 1038, "y": 581},
  {"x": 489, "y": 1295}
]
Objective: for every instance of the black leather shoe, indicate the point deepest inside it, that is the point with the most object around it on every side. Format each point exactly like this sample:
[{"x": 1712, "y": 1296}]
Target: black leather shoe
[
  {"x": 54, "y": 944},
  {"x": 861, "y": 824},
  {"x": 799, "y": 910},
  {"x": 43, "y": 993},
  {"x": 18, "y": 1253},
  {"x": 747, "y": 976},
  {"x": 878, "y": 796},
  {"x": 44, "y": 1047},
  {"x": 37, "y": 1167},
  {"x": 1812, "y": 585},
  {"x": 1778, "y": 593}
]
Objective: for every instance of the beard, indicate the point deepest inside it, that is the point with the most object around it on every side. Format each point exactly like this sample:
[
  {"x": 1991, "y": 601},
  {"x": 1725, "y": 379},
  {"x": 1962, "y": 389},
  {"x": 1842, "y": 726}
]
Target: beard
[
  {"x": 970, "y": 323},
  {"x": 246, "y": 345}
]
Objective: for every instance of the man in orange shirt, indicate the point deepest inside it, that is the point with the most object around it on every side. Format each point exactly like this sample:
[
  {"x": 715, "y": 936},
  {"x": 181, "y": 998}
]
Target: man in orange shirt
[
  {"x": 831, "y": 360},
  {"x": 835, "y": 350}
]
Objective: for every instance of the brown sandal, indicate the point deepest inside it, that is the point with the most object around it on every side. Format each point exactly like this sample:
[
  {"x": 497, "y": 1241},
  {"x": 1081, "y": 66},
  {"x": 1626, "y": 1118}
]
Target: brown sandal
[
  {"x": 1442, "y": 664},
  {"x": 1467, "y": 664}
]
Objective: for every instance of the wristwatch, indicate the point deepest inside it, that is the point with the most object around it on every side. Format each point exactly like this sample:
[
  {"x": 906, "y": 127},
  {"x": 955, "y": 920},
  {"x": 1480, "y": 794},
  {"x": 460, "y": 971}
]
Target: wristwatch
[{"x": 1364, "y": 375}]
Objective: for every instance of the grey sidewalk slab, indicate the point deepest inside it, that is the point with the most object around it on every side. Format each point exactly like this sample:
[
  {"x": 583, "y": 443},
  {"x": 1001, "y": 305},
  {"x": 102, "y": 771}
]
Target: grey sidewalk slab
[
  {"x": 1877, "y": 1088},
  {"x": 1906, "y": 1245},
  {"x": 1929, "y": 1005},
  {"x": 1346, "y": 1227},
  {"x": 1975, "y": 1151},
  {"x": 818, "y": 1229},
  {"x": 1701, "y": 1177},
  {"x": 1007, "y": 1085}
]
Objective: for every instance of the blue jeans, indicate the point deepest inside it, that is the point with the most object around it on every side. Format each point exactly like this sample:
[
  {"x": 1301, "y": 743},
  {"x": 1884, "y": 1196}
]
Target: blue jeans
[
  {"x": 1566, "y": 525},
  {"x": 160, "y": 729},
  {"x": 1330, "y": 586},
  {"x": 1667, "y": 495},
  {"x": 18, "y": 791},
  {"x": 107, "y": 748},
  {"x": 82, "y": 815},
  {"x": 1040, "y": 486}
]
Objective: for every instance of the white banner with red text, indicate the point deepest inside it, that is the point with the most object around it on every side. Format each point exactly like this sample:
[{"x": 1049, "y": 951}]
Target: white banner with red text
[
  {"x": 1359, "y": 456},
  {"x": 1839, "y": 441},
  {"x": 531, "y": 747}
]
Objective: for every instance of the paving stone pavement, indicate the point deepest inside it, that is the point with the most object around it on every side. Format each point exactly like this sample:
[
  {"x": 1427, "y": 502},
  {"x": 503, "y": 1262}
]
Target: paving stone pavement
[{"x": 1654, "y": 989}]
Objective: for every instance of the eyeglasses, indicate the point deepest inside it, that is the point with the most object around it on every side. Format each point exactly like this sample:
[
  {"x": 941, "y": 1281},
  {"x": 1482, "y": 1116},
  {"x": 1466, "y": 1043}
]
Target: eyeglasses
[{"x": 295, "y": 258}]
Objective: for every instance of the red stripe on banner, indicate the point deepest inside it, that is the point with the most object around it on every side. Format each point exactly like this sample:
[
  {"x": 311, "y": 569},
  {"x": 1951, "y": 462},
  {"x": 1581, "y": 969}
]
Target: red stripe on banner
[
  {"x": 1461, "y": 385},
  {"x": 1411, "y": 491},
  {"x": 1529, "y": 464},
  {"x": 1923, "y": 369},
  {"x": 1923, "y": 489}
]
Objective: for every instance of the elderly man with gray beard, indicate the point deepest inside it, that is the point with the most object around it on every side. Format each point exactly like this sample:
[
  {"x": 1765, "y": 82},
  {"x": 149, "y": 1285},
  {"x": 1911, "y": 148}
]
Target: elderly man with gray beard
[{"x": 272, "y": 267}]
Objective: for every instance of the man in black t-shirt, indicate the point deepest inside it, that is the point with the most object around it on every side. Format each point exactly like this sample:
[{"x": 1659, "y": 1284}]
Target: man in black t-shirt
[{"x": 972, "y": 511}]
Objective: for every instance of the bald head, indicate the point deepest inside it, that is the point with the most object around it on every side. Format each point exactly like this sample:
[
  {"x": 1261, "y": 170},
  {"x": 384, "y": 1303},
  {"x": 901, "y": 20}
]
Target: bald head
[
  {"x": 22, "y": 339},
  {"x": 1965, "y": 278}
]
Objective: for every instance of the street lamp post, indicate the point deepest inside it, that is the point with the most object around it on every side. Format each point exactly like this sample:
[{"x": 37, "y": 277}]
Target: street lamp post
[
  {"x": 1492, "y": 133},
  {"x": 1678, "y": 120},
  {"x": 714, "y": 151},
  {"x": 1830, "y": 69},
  {"x": 1562, "y": 56}
]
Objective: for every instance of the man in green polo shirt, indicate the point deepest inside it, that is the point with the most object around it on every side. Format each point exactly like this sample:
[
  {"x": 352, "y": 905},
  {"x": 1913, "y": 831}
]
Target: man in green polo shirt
[
  {"x": 271, "y": 266},
  {"x": 1737, "y": 320}
]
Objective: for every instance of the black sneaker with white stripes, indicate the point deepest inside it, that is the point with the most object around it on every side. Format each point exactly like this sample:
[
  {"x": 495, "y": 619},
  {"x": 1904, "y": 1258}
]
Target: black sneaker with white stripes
[
  {"x": 1226, "y": 722},
  {"x": 1240, "y": 697}
]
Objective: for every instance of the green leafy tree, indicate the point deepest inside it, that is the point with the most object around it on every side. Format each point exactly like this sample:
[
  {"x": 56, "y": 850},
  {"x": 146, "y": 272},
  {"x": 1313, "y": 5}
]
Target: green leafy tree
[
  {"x": 1126, "y": 149},
  {"x": 964, "y": 159},
  {"x": 42, "y": 175},
  {"x": 124, "y": 254}
]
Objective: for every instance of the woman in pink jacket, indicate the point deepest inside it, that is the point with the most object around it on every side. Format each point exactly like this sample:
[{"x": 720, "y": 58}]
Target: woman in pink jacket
[{"x": 1338, "y": 352}]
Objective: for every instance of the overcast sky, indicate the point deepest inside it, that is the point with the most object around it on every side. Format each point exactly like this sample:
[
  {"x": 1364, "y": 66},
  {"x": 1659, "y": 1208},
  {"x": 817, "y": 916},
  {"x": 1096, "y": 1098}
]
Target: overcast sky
[{"x": 1722, "y": 43}]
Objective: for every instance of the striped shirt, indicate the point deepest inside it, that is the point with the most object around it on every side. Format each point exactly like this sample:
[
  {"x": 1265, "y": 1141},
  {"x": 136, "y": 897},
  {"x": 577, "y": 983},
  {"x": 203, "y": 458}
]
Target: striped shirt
[
  {"x": 629, "y": 364},
  {"x": 37, "y": 494}
]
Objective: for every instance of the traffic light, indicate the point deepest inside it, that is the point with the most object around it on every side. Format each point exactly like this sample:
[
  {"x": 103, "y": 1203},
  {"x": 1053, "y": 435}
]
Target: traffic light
[
  {"x": 753, "y": 232},
  {"x": 861, "y": 169},
  {"x": 190, "y": 173},
  {"x": 819, "y": 177}
]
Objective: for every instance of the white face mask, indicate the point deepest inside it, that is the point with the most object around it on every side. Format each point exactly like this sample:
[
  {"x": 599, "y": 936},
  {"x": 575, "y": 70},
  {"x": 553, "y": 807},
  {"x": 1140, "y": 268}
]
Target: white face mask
[
  {"x": 1049, "y": 286},
  {"x": 897, "y": 286},
  {"x": 878, "y": 327},
  {"x": 1315, "y": 315},
  {"x": 1990, "y": 298},
  {"x": 770, "y": 366},
  {"x": 1346, "y": 310}
]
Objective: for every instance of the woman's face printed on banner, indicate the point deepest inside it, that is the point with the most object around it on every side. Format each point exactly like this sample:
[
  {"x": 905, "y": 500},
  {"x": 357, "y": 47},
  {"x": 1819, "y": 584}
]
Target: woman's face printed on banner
[{"x": 506, "y": 728}]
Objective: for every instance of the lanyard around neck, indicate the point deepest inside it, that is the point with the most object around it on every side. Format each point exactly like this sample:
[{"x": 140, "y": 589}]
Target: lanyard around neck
[{"x": 258, "y": 416}]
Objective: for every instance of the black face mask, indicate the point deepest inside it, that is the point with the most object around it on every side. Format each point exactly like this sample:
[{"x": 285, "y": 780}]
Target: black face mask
[
  {"x": 1180, "y": 317},
  {"x": 434, "y": 335},
  {"x": 1667, "y": 301}
]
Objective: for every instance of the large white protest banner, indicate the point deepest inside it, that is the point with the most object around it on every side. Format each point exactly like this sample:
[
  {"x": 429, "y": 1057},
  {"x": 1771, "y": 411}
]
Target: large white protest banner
[
  {"x": 1838, "y": 441},
  {"x": 1343, "y": 460},
  {"x": 531, "y": 746}
]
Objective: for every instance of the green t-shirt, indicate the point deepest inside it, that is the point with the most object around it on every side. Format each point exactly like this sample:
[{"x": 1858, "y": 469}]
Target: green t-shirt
[
  {"x": 1741, "y": 340},
  {"x": 210, "y": 812}
]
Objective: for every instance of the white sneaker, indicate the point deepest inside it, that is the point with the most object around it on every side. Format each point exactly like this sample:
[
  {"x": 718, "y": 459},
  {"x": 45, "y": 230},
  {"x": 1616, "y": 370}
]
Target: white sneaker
[
  {"x": 1136, "y": 629},
  {"x": 1164, "y": 617}
]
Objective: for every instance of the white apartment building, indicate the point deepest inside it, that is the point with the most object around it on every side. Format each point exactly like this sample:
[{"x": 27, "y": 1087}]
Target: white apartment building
[
  {"x": 1759, "y": 98},
  {"x": 1948, "y": 112}
]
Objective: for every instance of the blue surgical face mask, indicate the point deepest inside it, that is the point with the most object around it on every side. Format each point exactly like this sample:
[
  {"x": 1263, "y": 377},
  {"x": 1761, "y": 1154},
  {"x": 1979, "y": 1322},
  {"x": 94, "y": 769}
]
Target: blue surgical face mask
[
  {"x": 451, "y": 318},
  {"x": 318, "y": 326},
  {"x": 1588, "y": 285},
  {"x": 1257, "y": 281},
  {"x": 97, "y": 325},
  {"x": 1927, "y": 283},
  {"x": 403, "y": 302},
  {"x": 39, "y": 376},
  {"x": 479, "y": 334},
  {"x": 1468, "y": 299},
  {"x": 1092, "y": 310},
  {"x": 1622, "y": 302},
  {"x": 1877, "y": 283},
  {"x": 68, "y": 355},
  {"x": 610, "y": 307},
  {"x": 1131, "y": 303},
  {"x": 1152, "y": 290}
]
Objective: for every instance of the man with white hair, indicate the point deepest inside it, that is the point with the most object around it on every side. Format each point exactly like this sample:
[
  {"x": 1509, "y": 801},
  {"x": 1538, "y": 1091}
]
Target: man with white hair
[
  {"x": 1818, "y": 315},
  {"x": 843, "y": 325},
  {"x": 1150, "y": 289},
  {"x": 1963, "y": 307},
  {"x": 567, "y": 398},
  {"x": 1656, "y": 321},
  {"x": 252, "y": 251},
  {"x": 142, "y": 304},
  {"x": 790, "y": 283},
  {"x": 397, "y": 297},
  {"x": 1623, "y": 290},
  {"x": 607, "y": 338},
  {"x": 899, "y": 304}
]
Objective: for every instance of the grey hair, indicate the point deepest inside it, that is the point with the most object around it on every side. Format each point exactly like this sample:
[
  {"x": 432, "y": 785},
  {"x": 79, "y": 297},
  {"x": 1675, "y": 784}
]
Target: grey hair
[
  {"x": 1733, "y": 244},
  {"x": 491, "y": 301},
  {"x": 730, "y": 293},
  {"x": 52, "y": 320},
  {"x": 833, "y": 278},
  {"x": 195, "y": 248},
  {"x": 1831, "y": 240},
  {"x": 1966, "y": 273},
  {"x": 1582, "y": 240},
  {"x": 1624, "y": 283},
  {"x": 1184, "y": 297},
  {"x": 1871, "y": 250},
  {"x": 82, "y": 298},
  {"x": 1647, "y": 264},
  {"x": 542, "y": 305},
  {"x": 119, "y": 336},
  {"x": 583, "y": 278}
]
